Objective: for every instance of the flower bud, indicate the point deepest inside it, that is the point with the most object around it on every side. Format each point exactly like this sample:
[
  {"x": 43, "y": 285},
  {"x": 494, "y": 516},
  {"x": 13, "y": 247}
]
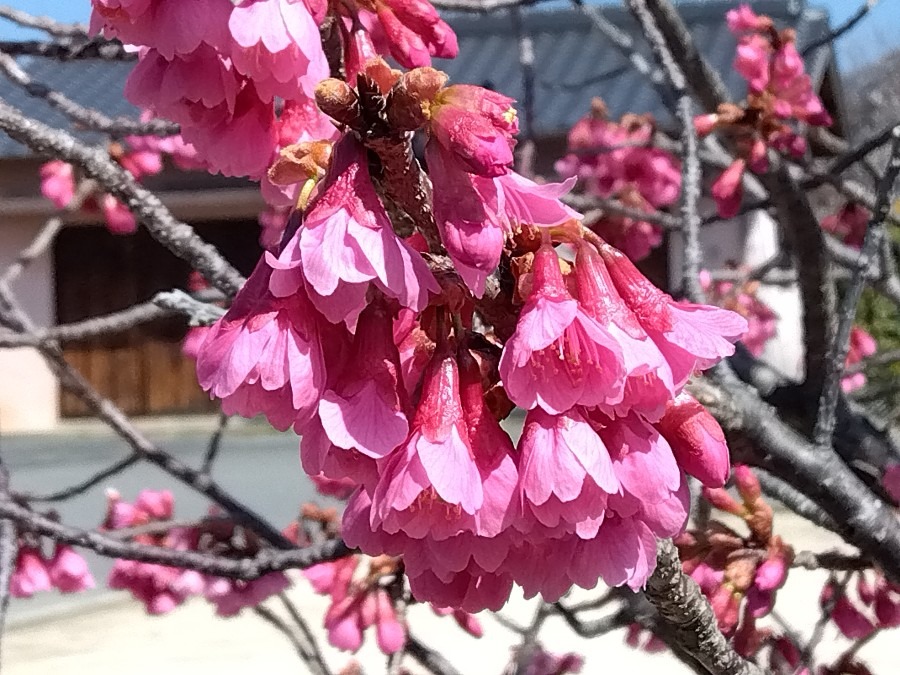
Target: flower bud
[{"x": 697, "y": 440}]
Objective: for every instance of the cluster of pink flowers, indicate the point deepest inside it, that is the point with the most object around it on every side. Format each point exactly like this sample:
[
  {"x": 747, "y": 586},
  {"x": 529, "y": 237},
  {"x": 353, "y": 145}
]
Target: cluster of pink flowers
[
  {"x": 345, "y": 335},
  {"x": 848, "y": 223},
  {"x": 762, "y": 322},
  {"x": 140, "y": 155},
  {"x": 162, "y": 588},
  {"x": 780, "y": 93},
  {"x": 738, "y": 574},
  {"x": 616, "y": 159},
  {"x": 65, "y": 570},
  {"x": 239, "y": 76},
  {"x": 862, "y": 344}
]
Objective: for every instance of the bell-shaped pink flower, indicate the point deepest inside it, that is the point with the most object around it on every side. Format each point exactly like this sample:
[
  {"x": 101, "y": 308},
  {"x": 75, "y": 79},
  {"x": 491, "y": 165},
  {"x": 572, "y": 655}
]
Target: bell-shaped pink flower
[
  {"x": 276, "y": 44},
  {"x": 58, "y": 182},
  {"x": 565, "y": 472},
  {"x": 69, "y": 571},
  {"x": 696, "y": 439},
  {"x": 346, "y": 243},
  {"x": 559, "y": 356},
  {"x": 648, "y": 381},
  {"x": 849, "y": 223},
  {"x": 265, "y": 355},
  {"x": 30, "y": 575},
  {"x": 415, "y": 32},
  {"x": 474, "y": 127},
  {"x": 752, "y": 61},
  {"x": 852, "y": 623},
  {"x": 728, "y": 190},
  {"x": 118, "y": 218},
  {"x": 743, "y": 19},
  {"x": 690, "y": 336},
  {"x": 862, "y": 344},
  {"x": 172, "y": 27},
  {"x": 434, "y": 470},
  {"x": 466, "y": 621},
  {"x": 466, "y": 209},
  {"x": 366, "y": 408}
]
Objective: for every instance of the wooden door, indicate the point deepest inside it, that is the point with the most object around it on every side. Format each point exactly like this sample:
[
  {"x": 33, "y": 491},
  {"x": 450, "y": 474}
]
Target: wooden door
[{"x": 143, "y": 369}]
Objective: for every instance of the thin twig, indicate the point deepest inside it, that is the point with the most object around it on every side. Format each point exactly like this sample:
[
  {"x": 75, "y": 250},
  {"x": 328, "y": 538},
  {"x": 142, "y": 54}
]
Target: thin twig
[
  {"x": 43, "y": 23},
  {"x": 249, "y": 568},
  {"x": 848, "y": 25},
  {"x": 83, "y": 486},
  {"x": 215, "y": 443},
  {"x": 691, "y": 172},
  {"x": 277, "y": 622},
  {"x": 308, "y": 637},
  {"x": 830, "y": 560},
  {"x": 834, "y": 367},
  {"x": 86, "y": 117},
  {"x": 95, "y": 48}
]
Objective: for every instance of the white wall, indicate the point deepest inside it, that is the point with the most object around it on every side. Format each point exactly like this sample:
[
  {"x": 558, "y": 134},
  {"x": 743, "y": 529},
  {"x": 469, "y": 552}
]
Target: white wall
[
  {"x": 752, "y": 240},
  {"x": 29, "y": 398}
]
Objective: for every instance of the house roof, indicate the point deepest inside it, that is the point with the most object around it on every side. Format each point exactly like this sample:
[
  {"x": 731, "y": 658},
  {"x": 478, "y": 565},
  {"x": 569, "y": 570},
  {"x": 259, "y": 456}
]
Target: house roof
[{"x": 573, "y": 62}]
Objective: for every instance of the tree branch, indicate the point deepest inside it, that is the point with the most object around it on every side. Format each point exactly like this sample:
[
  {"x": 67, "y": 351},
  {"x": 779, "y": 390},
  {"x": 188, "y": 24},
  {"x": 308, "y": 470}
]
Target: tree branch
[{"x": 686, "y": 612}]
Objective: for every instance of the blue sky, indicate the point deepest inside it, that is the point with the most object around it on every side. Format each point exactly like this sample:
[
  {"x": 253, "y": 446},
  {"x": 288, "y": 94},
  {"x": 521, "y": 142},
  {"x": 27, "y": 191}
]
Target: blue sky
[{"x": 876, "y": 34}]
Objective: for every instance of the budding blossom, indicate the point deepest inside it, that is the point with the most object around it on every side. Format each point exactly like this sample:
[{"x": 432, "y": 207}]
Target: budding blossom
[
  {"x": 738, "y": 574},
  {"x": 780, "y": 97},
  {"x": 616, "y": 159},
  {"x": 65, "y": 570},
  {"x": 862, "y": 344}
]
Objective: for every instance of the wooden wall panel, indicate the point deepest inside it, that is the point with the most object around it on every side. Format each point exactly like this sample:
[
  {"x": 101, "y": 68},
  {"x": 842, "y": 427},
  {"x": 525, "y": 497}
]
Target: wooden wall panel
[{"x": 142, "y": 370}]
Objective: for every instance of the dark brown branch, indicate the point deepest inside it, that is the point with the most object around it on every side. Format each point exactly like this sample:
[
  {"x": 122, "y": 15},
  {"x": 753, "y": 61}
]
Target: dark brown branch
[
  {"x": 686, "y": 612},
  {"x": 830, "y": 560},
  {"x": 247, "y": 569},
  {"x": 178, "y": 237}
]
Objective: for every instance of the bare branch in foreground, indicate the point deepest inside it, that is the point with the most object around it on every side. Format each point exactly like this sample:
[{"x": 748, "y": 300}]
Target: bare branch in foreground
[{"x": 683, "y": 608}]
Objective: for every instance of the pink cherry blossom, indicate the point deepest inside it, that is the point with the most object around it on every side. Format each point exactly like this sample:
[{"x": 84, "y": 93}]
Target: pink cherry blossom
[
  {"x": 58, "y": 182},
  {"x": 728, "y": 189},
  {"x": 752, "y": 61},
  {"x": 762, "y": 322},
  {"x": 648, "y": 380},
  {"x": 118, "y": 218},
  {"x": 696, "y": 439},
  {"x": 742, "y": 19},
  {"x": 415, "y": 32},
  {"x": 466, "y": 621},
  {"x": 230, "y": 596},
  {"x": 276, "y": 44},
  {"x": 30, "y": 575},
  {"x": 890, "y": 481},
  {"x": 559, "y": 356},
  {"x": 566, "y": 472},
  {"x": 690, "y": 336},
  {"x": 173, "y": 27},
  {"x": 347, "y": 243},
  {"x": 265, "y": 355},
  {"x": 69, "y": 571},
  {"x": 474, "y": 128},
  {"x": 366, "y": 408}
]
